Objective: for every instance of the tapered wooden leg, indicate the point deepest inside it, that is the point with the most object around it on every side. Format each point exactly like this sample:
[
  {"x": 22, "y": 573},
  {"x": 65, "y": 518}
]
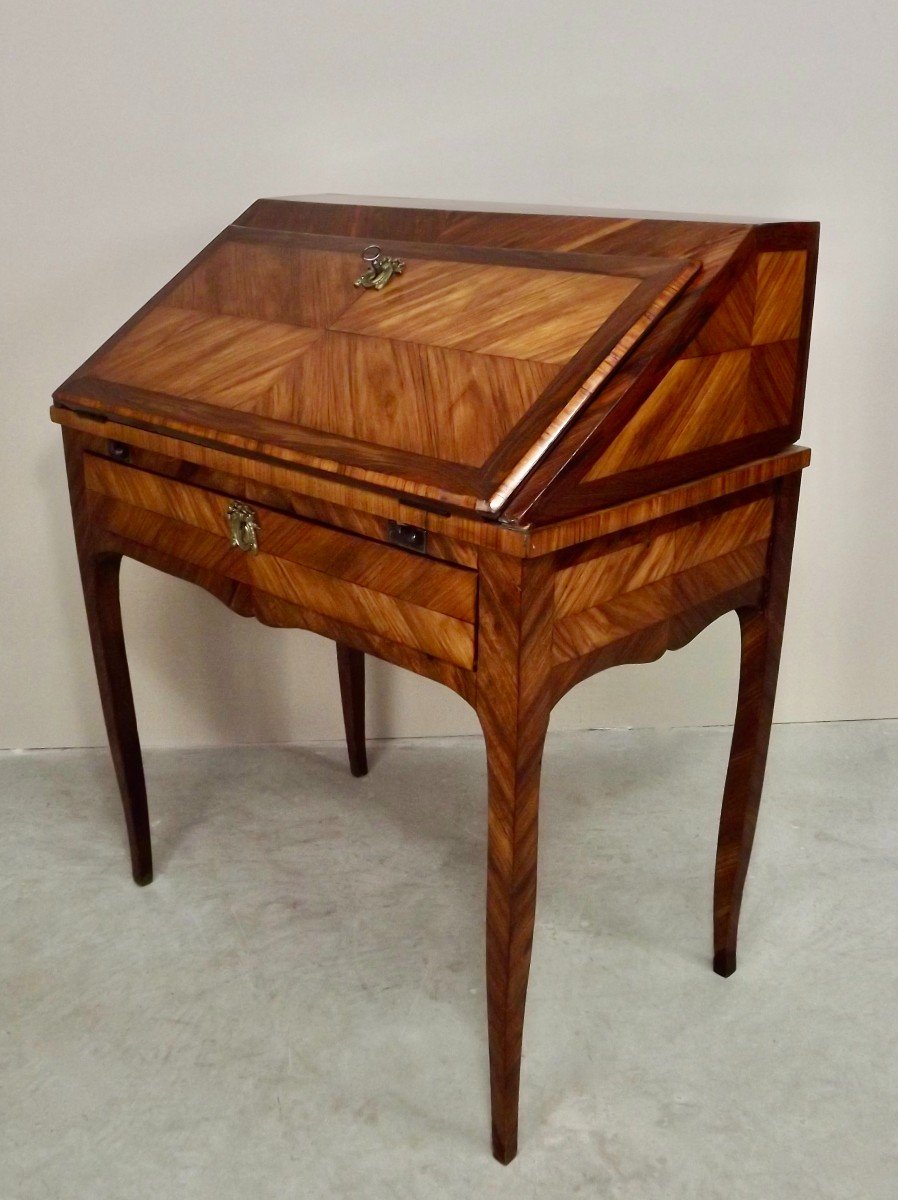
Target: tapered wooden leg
[
  {"x": 512, "y": 703},
  {"x": 514, "y": 758},
  {"x": 351, "y": 668},
  {"x": 762, "y": 635},
  {"x": 100, "y": 582}
]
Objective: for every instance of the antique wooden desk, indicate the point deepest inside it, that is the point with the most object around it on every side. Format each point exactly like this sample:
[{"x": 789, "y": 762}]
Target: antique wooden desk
[{"x": 504, "y": 450}]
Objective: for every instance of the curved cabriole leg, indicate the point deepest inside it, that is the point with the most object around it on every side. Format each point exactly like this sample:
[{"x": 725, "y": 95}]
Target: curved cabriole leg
[
  {"x": 100, "y": 582},
  {"x": 762, "y": 636},
  {"x": 100, "y": 577},
  {"x": 513, "y": 658},
  {"x": 351, "y": 669}
]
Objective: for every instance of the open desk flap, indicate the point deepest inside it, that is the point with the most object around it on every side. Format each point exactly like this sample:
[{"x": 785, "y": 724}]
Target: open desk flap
[{"x": 451, "y": 381}]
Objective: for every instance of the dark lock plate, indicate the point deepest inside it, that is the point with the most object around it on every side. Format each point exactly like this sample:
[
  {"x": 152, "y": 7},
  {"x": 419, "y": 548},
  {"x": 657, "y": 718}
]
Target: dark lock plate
[{"x": 409, "y": 537}]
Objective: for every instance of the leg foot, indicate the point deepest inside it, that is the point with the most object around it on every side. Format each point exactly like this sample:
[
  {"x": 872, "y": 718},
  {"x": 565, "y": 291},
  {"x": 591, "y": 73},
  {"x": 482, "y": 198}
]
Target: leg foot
[
  {"x": 504, "y": 1152},
  {"x": 725, "y": 962},
  {"x": 351, "y": 669}
]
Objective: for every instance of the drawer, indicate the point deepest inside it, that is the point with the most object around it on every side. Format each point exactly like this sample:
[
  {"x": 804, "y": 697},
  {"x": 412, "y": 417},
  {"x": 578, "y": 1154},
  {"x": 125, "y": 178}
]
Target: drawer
[{"x": 408, "y": 598}]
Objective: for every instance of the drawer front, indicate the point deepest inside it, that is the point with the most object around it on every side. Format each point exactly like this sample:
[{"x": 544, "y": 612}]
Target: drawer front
[
  {"x": 624, "y": 585},
  {"x": 416, "y": 601}
]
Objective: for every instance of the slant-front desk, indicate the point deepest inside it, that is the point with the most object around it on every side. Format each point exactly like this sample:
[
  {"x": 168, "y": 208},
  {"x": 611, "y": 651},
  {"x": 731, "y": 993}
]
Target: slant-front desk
[{"x": 502, "y": 450}]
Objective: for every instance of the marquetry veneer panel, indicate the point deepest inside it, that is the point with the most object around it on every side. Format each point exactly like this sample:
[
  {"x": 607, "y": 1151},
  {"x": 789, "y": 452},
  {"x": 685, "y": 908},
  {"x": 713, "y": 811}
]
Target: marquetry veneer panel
[
  {"x": 780, "y": 291},
  {"x": 410, "y": 599},
  {"x": 448, "y": 404},
  {"x": 730, "y": 324},
  {"x": 279, "y": 282},
  {"x": 764, "y": 305},
  {"x": 700, "y": 402},
  {"x": 630, "y": 586},
  {"x": 452, "y": 383},
  {"x": 514, "y": 312},
  {"x": 736, "y": 379},
  {"x": 590, "y": 630},
  {"x": 220, "y": 359}
]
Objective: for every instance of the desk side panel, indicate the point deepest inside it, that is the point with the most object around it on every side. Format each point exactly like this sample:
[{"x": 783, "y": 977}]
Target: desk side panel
[{"x": 733, "y": 392}]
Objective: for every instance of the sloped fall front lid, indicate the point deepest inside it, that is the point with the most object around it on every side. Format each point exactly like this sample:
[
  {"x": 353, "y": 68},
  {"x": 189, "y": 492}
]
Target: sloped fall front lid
[{"x": 452, "y": 382}]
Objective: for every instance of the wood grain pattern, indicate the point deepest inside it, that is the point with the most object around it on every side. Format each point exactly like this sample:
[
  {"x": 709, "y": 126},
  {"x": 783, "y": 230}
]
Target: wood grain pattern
[
  {"x": 589, "y": 230},
  {"x": 428, "y": 482},
  {"x": 298, "y": 270},
  {"x": 711, "y": 318},
  {"x": 589, "y": 629},
  {"x": 99, "y": 568},
  {"x": 351, "y": 671},
  {"x": 281, "y": 614},
  {"x": 738, "y": 379},
  {"x": 651, "y": 642},
  {"x": 464, "y": 531},
  {"x": 589, "y": 414},
  {"x": 550, "y": 491},
  {"x": 443, "y": 587},
  {"x": 287, "y": 284},
  {"x": 667, "y": 501},
  {"x": 493, "y": 310},
  {"x": 218, "y": 359},
  {"x": 517, "y": 474},
  {"x": 442, "y": 403},
  {"x": 615, "y": 570},
  {"x": 701, "y": 402},
  {"x": 780, "y": 288},
  {"x": 269, "y": 495},
  {"x": 774, "y": 372},
  {"x": 762, "y": 634},
  {"x": 513, "y": 706},
  {"x": 729, "y": 326},
  {"x": 398, "y": 620},
  {"x": 275, "y": 485},
  {"x": 456, "y": 365}
]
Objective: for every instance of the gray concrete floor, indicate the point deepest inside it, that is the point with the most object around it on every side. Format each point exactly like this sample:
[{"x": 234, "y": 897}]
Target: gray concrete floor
[{"x": 295, "y": 1008}]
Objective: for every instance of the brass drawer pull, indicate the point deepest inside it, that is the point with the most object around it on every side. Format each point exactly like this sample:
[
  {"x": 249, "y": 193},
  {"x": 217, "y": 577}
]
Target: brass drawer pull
[{"x": 243, "y": 527}]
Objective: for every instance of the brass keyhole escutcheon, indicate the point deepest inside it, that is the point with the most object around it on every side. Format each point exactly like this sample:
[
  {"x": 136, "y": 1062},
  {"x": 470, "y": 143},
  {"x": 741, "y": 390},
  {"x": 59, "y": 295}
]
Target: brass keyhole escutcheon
[
  {"x": 243, "y": 527},
  {"x": 381, "y": 269}
]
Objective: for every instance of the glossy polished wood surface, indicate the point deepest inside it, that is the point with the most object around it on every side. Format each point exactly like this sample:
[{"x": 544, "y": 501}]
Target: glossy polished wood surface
[
  {"x": 737, "y": 379},
  {"x": 585, "y": 423},
  {"x": 410, "y": 600},
  {"x": 761, "y": 626},
  {"x": 496, "y": 373},
  {"x": 451, "y": 535},
  {"x": 480, "y": 364}
]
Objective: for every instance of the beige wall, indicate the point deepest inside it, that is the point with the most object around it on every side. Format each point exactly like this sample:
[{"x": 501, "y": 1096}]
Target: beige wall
[{"x": 133, "y": 132}]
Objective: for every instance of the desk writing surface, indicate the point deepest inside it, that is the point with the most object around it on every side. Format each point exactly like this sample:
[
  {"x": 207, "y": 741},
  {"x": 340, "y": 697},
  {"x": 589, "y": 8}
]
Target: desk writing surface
[{"x": 478, "y": 374}]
